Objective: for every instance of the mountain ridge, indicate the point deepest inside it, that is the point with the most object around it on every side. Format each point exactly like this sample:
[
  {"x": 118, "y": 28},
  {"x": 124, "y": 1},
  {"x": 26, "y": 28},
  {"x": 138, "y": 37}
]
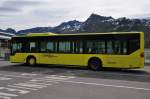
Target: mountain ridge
[{"x": 95, "y": 23}]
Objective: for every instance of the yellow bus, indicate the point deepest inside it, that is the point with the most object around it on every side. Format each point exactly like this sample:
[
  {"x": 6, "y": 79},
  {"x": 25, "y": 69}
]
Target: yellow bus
[{"x": 92, "y": 50}]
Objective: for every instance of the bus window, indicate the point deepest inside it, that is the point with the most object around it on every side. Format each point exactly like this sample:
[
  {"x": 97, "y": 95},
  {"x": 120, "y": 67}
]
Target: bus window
[
  {"x": 117, "y": 47},
  {"x": 33, "y": 47},
  {"x": 80, "y": 47},
  {"x": 110, "y": 49},
  {"x": 43, "y": 46},
  {"x": 77, "y": 47},
  {"x": 16, "y": 47},
  {"x": 134, "y": 44},
  {"x": 124, "y": 47},
  {"x": 50, "y": 47},
  {"x": 64, "y": 47},
  {"x": 95, "y": 46},
  {"x": 47, "y": 47},
  {"x": 89, "y": 47},
  {"x": 100, "y": 47}
]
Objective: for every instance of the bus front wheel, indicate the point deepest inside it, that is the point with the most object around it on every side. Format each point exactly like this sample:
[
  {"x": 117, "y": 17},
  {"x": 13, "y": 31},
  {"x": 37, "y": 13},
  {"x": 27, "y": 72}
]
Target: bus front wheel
[
  {"x": 31, "y": 61},
  {"x": 95, "y": 64}
]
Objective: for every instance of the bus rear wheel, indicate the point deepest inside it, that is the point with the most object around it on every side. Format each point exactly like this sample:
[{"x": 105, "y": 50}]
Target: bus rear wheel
[
  {"x": 95, "y": 64},
  {"x": 31, "y": 61}
]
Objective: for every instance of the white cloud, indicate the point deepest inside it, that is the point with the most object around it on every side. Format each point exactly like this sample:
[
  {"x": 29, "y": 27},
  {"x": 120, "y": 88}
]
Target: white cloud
[{"x": 22, "y": 14}]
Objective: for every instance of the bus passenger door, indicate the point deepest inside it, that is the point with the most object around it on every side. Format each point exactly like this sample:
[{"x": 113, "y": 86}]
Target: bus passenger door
[
  {"x": 47, "y": 50},
  {"x": 116, "y": 53},
  {"x": 70, "y": 53}
]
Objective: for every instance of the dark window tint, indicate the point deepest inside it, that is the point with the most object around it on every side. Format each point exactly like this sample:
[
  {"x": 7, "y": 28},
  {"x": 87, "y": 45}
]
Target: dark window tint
[
  {"x": 110, "y": 49},
  {"x": 16, "y": 47},
  {"x": 64, "y": 47},
  {"x": 116, "y": 47},
  {"x": 124, "y": 47},
  {"x": 47, "y": 47},
  {"x": 50, "y": 47},
  {"x": 95, "y": 46},
  {"x": 106, "y": 47},
  {"x": 100, "y": 45},
  {"x": 77, "y": 47},
  {"x": 70, "y": 47},
  {"x": 33, "y": 47},
  {"x": 133, "y": 45}
]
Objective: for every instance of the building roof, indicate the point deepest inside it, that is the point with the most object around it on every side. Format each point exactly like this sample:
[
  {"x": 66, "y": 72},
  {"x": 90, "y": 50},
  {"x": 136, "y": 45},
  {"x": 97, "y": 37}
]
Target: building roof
[
  {"x": 7, "y": 34},
  {"x": 4, "y": 35}
]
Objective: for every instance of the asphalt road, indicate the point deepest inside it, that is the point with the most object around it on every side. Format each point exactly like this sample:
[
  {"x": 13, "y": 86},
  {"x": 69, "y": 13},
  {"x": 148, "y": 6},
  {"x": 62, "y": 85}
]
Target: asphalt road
[{"x": 18, "y": 81}]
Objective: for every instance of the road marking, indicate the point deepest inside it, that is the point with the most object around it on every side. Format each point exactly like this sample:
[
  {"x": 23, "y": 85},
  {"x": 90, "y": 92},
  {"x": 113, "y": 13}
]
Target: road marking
[
  {"x": 7, "y": 94},
  {"x": 34, "y": 83},
  {"x": 105, "y": 85},
  {"x": 28, "y": 74},
  {"x": 14, "y": 90},
  {"x": 5, "y": 78},
  {"x": 45, "y": 84},
  {"x": 16, "y": 76},
  {"x": 31, "y": 85},
  {"x": 20, "y": 87},
  {"x": 44, "y": 80},
  {"x": 61, "y": 76},
  {"x": 50, "y": 76},
  {"x": 5, "y": 97},
  {"x": 126, "y": 74},
  {"x": 57, "y": 78},
  {"x": 73, "y": 76}
]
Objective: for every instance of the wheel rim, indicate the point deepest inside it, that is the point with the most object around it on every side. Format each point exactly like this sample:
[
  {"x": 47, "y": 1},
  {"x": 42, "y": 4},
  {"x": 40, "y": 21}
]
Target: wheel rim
[
  {"x": 31, "y": 61},
  {"x": 94, "y": 65}
]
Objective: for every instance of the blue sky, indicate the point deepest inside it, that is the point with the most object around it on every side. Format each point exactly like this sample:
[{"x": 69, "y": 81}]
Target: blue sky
[{"x": 22, "y": 14}]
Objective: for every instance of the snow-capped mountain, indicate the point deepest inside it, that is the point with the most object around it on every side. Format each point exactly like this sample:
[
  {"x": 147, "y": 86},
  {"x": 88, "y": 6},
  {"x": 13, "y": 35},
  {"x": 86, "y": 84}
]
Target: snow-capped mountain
[
  {"x": 68, "y": 27},
  {"x": 96, "y": 23},
  {"x": 9, "y": 30}
]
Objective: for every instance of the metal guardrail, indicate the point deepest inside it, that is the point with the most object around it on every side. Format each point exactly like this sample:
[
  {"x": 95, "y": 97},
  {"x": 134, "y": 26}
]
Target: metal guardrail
[{"x": 147, "y": 55}]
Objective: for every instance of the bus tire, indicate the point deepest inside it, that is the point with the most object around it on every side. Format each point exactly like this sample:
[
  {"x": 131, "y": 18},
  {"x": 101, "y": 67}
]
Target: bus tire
[
  {"x": 31, "y": 60},
  {"x": 95, "y": 64}
]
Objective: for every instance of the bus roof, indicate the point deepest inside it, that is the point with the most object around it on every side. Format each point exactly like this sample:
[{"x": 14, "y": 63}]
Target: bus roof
[{"x": 53, "y": 34}]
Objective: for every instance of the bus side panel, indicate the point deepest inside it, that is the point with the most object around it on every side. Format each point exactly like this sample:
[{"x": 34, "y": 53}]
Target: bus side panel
[
  {"x": 65, "y": 59},
  {"x": 109, "y": 60},
  {"x": 21, "y": 57},
  {"x": 124, "y": 61},
  {"x": 70, "y": 59},
  {"x": 118, "y": 61},
  {"x": 18, "y": 58},
  {"x": 142, "y": 48},
  {"x": 45, "y": 58}
]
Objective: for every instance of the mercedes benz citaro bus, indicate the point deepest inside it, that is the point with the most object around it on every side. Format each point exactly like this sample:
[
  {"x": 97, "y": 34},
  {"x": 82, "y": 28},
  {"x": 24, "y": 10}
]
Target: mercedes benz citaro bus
[{"x": 92, "y": 50}]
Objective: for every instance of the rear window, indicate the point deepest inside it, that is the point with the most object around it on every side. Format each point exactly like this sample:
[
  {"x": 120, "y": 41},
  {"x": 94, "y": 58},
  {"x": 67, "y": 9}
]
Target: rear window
[{"x": 133, "y": 45}]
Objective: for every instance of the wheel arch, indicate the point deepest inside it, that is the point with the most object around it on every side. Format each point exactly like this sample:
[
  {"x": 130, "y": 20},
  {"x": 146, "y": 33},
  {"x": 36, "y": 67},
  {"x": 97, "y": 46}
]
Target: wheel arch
[
  {"x": 95, "y": 58},
  {"x": 30, "y": 56}
]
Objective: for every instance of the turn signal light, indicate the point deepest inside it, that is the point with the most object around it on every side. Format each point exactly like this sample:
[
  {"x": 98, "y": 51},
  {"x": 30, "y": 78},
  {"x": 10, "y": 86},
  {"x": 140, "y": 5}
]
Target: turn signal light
[{"x": 142, "y": 55}]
